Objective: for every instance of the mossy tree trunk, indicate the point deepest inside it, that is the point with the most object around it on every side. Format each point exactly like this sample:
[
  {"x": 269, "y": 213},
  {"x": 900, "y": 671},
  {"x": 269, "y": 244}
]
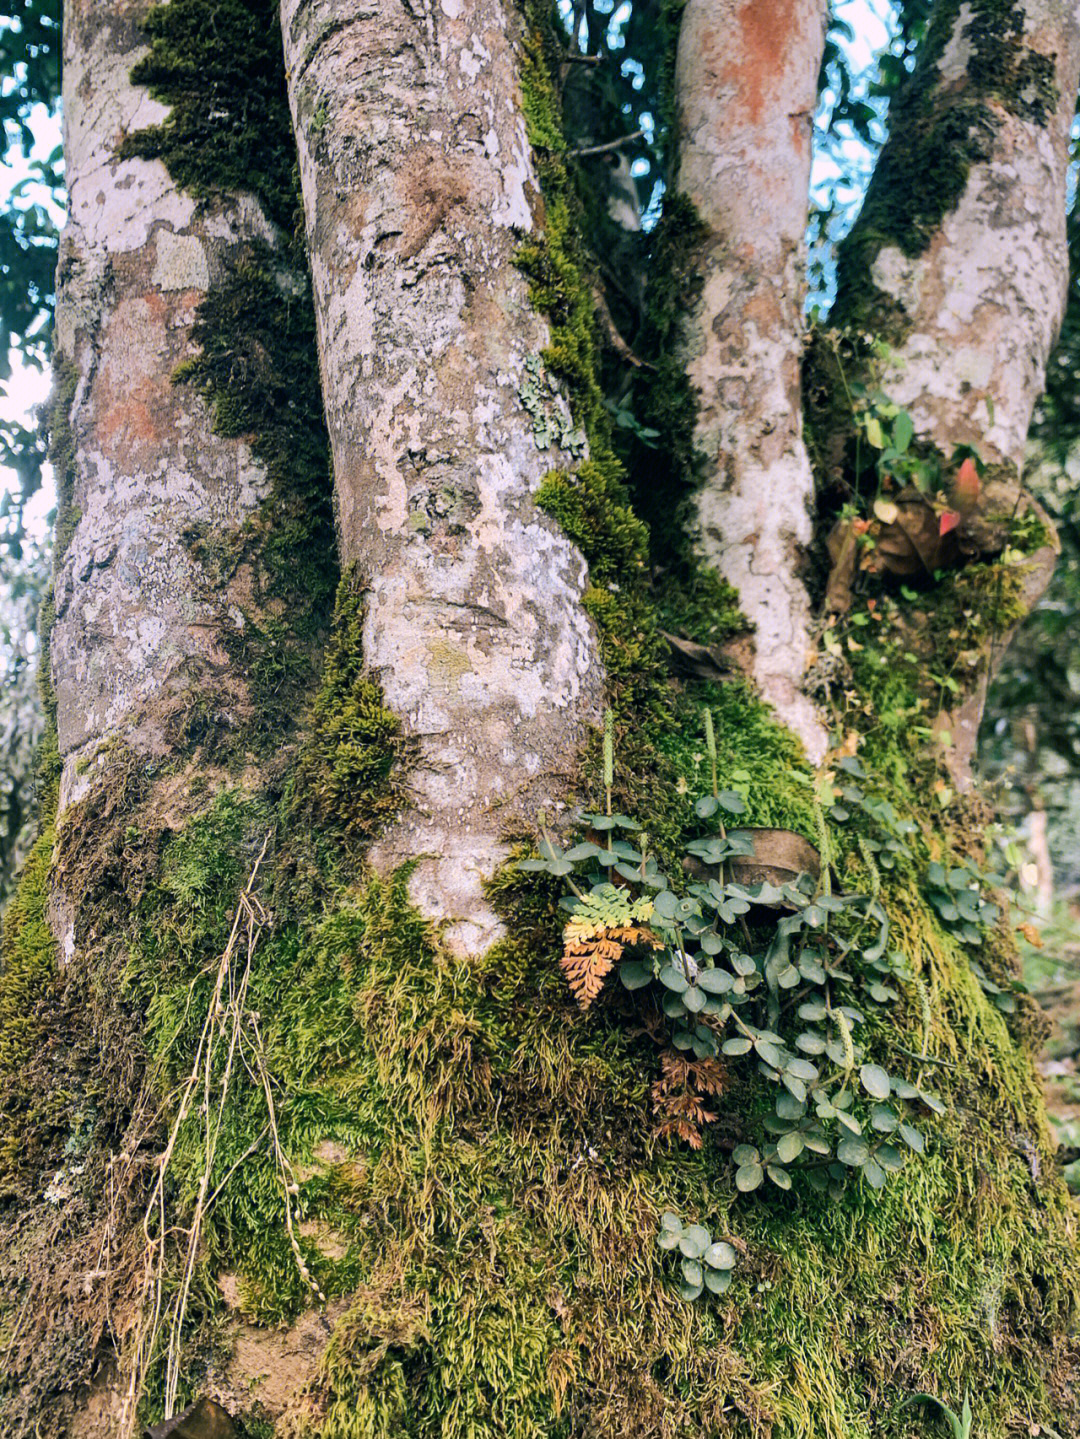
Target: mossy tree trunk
[
  {"x": 746, "y": 93},
  {"x": 299, "y": 1116},
  {"x": 428, "y": 349},
  {"x": 959, "y": 264}
]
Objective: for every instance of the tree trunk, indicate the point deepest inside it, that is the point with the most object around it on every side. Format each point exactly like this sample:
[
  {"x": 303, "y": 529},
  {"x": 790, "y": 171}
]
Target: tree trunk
[
  {"x": 959, "y": 261},
  {"x": 417, "y": 175},
  {"x": 745, "y": 113},
  {"x": 302, "y": 1126}
]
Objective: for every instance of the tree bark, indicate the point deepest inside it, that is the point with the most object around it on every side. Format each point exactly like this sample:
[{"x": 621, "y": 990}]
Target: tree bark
[
  {"x": 417, "y": 176},
  {"x": 746, "y": 82},
  {"x": 976, "y": 291},
  {"x": 137, "y": 637},
  {"x": 960, "y": 261}
]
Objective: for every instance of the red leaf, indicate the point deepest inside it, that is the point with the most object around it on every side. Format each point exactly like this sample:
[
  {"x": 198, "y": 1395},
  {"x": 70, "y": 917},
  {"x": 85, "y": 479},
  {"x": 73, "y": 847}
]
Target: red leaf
[
  {"x": 949, "y": 521},
  {"x": 966, "y": 486}
]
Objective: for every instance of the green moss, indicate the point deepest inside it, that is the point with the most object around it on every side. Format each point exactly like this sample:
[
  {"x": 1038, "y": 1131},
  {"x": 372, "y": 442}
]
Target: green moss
[
  {"x": 62, "y": 455},
  {"x": 218, "y": 67},
  {"x": 256, "y": 369},
  {"x": 346, "y": 776},
  {"x": 482, "y": 1156},
  {"x": 475, "y": 1162},
  {"x": 27, "y": 982}
]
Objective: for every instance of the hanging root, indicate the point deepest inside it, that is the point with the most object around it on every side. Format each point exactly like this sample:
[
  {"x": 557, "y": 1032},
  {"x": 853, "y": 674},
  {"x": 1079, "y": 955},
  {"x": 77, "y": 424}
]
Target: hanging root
[{"x": 230, "y": 1040}]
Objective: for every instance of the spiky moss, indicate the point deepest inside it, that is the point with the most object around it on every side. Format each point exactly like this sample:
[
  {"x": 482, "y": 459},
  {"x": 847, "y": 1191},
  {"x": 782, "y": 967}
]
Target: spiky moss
[
  {"x": 912, "y": 657},
  {"x": 593, "y": 503},
  {"x": 936, "y": 136},
  {"x": 28, "y": 968}
]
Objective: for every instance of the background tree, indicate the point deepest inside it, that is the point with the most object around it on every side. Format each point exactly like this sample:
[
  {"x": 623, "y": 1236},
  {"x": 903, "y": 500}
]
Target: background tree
[{"x": 299, "y": 1113}]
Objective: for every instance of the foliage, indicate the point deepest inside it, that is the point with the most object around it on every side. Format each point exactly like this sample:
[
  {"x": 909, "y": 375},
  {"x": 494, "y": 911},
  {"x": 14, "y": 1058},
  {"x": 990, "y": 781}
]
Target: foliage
[{"x": 30, "y": 46}]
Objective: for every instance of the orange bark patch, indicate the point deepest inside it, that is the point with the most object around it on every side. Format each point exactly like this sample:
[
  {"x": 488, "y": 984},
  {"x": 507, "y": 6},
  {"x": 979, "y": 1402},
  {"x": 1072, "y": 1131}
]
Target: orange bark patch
[{"x": 752, "y": 59}]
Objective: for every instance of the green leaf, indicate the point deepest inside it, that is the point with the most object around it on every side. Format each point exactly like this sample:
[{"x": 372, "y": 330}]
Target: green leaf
[
  {"x": 903, "y": 431},
  {"x": 780, "y": 1177},
  {"x": 671, "y": 1222},
  {"x": 852, "y": 1151},
  {"x": 736, "y": 1046},
  {"x": 636, "y": 973},
  {"x": 720, "y": 1255},
  {"x": 672, "y": 977},
  {"x": 718, "y": 1281},
  {"x": 789, "y": 1146},
  {"x": 745, "y": 1154},
  {"x": 875, "y": 1081},
  {"x": 788, "y": 1107},
  {"x": 874, "y": 1174},
  {"x": 732, "y": 801},
  {"x": 912, "y": 1138},
  {"x": 691, "y": 1271},
  {"x": 883, "y": 1119},
  {"x": 714, "y": 981},
  {"x": 768, "y": 1052},
  {"x": 706, "y": 806},
  {"x": 810, "y": 1043},
  {"x": 748, "y": 1177},
  {"x": 689, "y": 1292},
  {"x": 694, "y": 999},
  {"x": 694, "y": 1241}
]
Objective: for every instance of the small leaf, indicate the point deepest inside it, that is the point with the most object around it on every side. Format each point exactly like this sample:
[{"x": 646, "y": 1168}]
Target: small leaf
[
  {"x": 875, "y": 1081},
  {"x": 789, "y": 1146},
  {"x": 736, "y": 1046},
  {"x": 720, "y": 1255},
  {"x": 672, "y": 977},
  {"x": 852, "y": 1151},
  {"x": 718, "y": 1281},
  {"x": 691, "y": 1270},
  {"x": 780, "y": 1177},
  {"x": 694, "y": 1242},
  {"x": 636, "y": 973},
  {"x": 714, "y": 981},
  {"x": 745, "y": 1154},
  {"x": 748, "y": 1177},
  {"x": 912, "y": 1138},
  {"x": 874, "y": 1174}
]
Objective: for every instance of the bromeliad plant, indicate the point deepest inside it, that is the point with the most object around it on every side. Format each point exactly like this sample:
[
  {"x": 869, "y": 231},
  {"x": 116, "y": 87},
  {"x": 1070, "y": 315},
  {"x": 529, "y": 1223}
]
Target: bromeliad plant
[{"x": 775, "y": 976}]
